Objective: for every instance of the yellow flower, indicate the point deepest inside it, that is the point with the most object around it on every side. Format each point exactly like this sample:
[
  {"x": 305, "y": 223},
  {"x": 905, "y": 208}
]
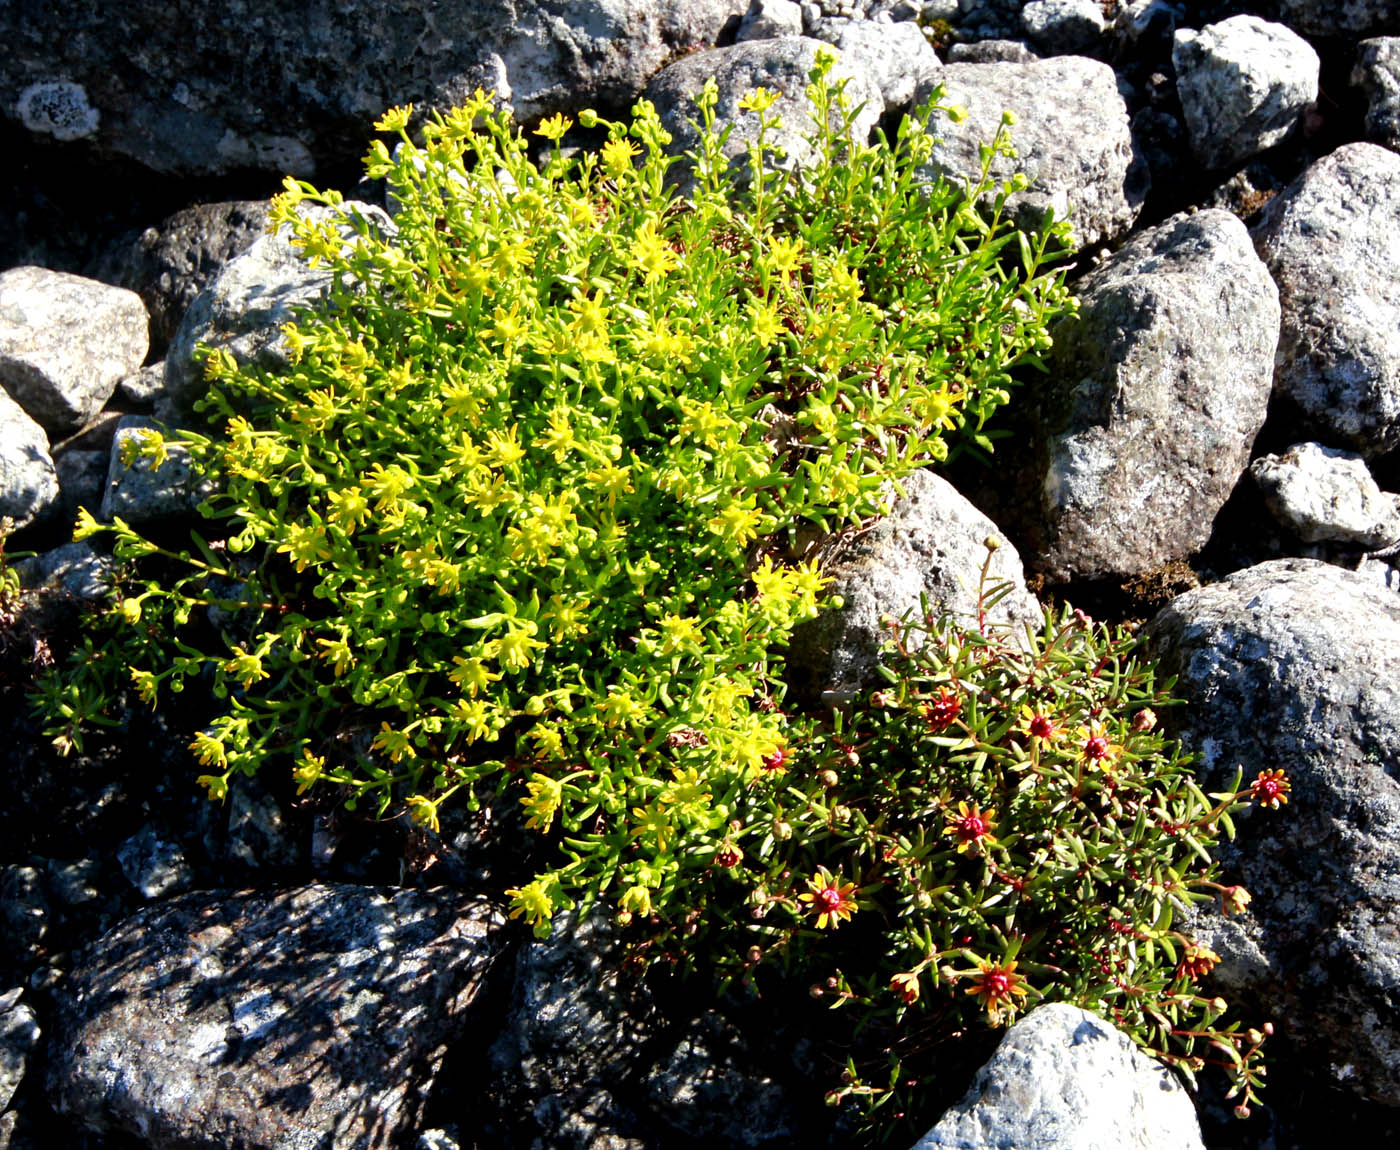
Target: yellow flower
[
  {"x": 679, "y": 633},
  {"x": 554, "y": 127},
  {"x": 306, "y": 773},
  {"x": 349, "y": 508},
  {"x": 591, "y": 317},
  {"x": 305, "y": 545},
  {"x": 393, "y": 743},
  {"x": 759, "y": 100},
  {"x": 209, "y": 750},
  {"x": 654, "y": 822},
  {"x": 618, "y": 155},
  {"x": 533, "y": 902},
  {"x": 514, "y": 647},
  {"x": 636, "y": 900},
  {"x": 784, "y": 255},
  {"x": 246, "y": 668},
  {"x": 471, "y": 675},
  {"x": 86, "y": 526},
  {"x": 542, "y": 802},
  {"x": 502, "y": 448},
  {"x": 736, "y": 522},
  {"x": 423, "y": 811},
  {"x": 339, "y": 653},
  {"x": 651, "y": 254},
  {"x": 215, "y": 785},
  {"x": 559, "y": 439},
  {"x": 395, "y": 119}
]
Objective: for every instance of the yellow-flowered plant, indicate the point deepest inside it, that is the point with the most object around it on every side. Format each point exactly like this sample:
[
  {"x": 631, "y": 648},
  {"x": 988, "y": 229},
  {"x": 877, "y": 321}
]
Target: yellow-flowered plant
[{"x": 522, "y": 510}]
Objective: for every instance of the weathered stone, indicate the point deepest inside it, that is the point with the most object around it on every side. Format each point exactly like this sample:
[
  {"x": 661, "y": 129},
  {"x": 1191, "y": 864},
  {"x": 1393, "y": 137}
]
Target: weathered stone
[
  {"x": 73, "y": 569},
  {"x": 169, "y": 264},
  {"x": 24, "y": 913},
  {"x": 1326, "y": 239},
  {"x": 781, "y": 66},
  {"x": 1327, "y": 495},
  {"x": 28, "y": 479},
  {"x": 897, "y": 56},
  {"x": 313, "y": 1017},
  {"x": 1295, "y": 665},
  {"x": 767, "y": 19},
  {"x": 1244, "y": 85},
  {"x": 19, "y": 1034},
  {"x": 204, "y": 90},
  {"x": 1062, "y": 26},
  {"x": 992, "y": 52},
  {"x": 145, "y": 386},
  {"x": 1341, "y": 18},
  {"x": 82, "y": 477},
  {"x": 1063, "y": 1077},
  {"x": 1157, "y": 390},
  {"x": 1071, "y": 138},
  {"x": 243, "y": 311},
  {"x": 154, "y": 865},
  {"x": 65, "y": 341},
  {"x": 572, "y": 1038},
  {"x": 933, "y": 543},
  {"x": 1377, "y": 74},
  {"x": 137, "y": 489}
]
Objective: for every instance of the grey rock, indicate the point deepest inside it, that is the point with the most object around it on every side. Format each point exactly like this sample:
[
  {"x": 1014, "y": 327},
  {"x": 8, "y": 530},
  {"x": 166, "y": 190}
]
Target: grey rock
[
  {"x": 1142, "y": 21},
  {"x": 76, "y": 882},
  {"x": 707, "y": 1088},
  {"x": 1244, "y": 85},
  {"x": 1062, "y": 26},
  {"x": 436, "y": 1140},
  {"x": 897, "y": 56},
  {"x": 1063, "y": 1077},
  {"x": 1295, "y": 664},
  {"x": 1377, "y": 74},
  {"x": 28, "y": 479},
  {"x": 1072, "y": 141},
  {"x": 288, "y": 89},
  {"x": 244, "y": 309},
  {"x": 1340, "y": 18},
  {"x": 766, "y": 19},
  {"x": 75, "y": 569},
  {"x": 139, "y": 491},
  {"x": 65, "y": 341},
  {"x": 169, "y": 264},
  {"x": 311, "y": 1017},
  {"x": 153, "y": 865},
  {"x": 573, "y": 1037},
  {"x": 1157, "y": 390},
  {"x": 258, "y": 835},
  {"x": 82, "y": 478},
  {"x": 24, "y": 912},
  {"x": 145, "y": 386},
  {"x": 932, "y": 544},
  {"x": 1324, "y": 494},
  {"x": 992, "y": 52},
  {"x": 19, "y": 1034},
  {"x": 1325, "y": 239},
  {"x": 780, "y": 66}
]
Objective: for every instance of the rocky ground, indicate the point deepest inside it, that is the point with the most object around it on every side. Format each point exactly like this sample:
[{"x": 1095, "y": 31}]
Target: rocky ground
[{"x": 1214, "y": 455}]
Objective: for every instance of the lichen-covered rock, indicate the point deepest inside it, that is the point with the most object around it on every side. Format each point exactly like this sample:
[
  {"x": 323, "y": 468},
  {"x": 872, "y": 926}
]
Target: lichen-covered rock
[
  {"x": 169, "y": 264},
  {"x": 1324, "y": 494},
  {"x": 1062, "y": 26},
  {"x": 1063, "y": 1077},
  {"x": 75, "y": 570},
  {"x": 19, "y": 1034},
  {"x": 208, "y": 89},
  {"x": 243, "y": 310},
  {"x": 1340, "y": 18},
  {"x": 1071, "y": 138},
  {"x": 1157, "y": 390},
  {"x": 782, "y": 65},
  {"x": 767, "y": 19},
  {"x": 313, "y": 1017},
  {"x": 1295, "y": 665},
  {"x": 1244, "y": 85},
  {"x": 65, "y": 342},
  {"x": 28, "y": 479},
  {"x": 933, "y": 544},
  {"x": 1377, "y": 74},
  {"x": 1327, "y": 240}
]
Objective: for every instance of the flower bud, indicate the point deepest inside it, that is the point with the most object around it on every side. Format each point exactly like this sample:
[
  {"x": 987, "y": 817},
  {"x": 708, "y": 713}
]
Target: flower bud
[
  {"x": 1145, "y": 720},
  {"x": 827, "y": 778}
]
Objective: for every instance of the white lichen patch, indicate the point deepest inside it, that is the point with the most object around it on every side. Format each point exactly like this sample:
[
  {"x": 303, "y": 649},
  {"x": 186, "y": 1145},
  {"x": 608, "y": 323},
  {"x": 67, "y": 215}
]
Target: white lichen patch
[{"x": 59, "y": 108}]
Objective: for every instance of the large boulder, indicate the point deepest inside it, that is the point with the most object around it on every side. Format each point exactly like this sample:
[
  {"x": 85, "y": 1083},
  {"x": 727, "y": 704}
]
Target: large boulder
[
  {"x": 933, "y": 545},
  {"x": 1295, "y": 665},
  {"x": 210, "y": 89},
  {"x": 1244, "y": 85},
  {"x": 1157, "y": 390},
  {"x": 1328, "y": 239},
  {"x": 311, "y": 1017},
  {"x": 1071, "y": 138},
  {"x": 781, "y": 65},
  {"x": 65, "y": 343},
  {"x": 1062, "y": 1078}
]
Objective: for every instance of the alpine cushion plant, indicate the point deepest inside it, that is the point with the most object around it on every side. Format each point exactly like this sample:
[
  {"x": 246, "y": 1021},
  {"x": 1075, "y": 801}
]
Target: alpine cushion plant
[
  {"x": 1001, "y": 823},
  {"x": 524, "y": 511}
]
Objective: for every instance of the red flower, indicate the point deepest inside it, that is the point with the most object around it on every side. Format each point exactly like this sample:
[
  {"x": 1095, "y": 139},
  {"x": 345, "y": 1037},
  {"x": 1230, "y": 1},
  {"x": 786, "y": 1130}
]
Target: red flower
[
  {"x": 833, "y": 900},
  {"x": 944, "y": 710},
  {"x": 1270, "y": 788},
  {"x": 999, "y": 987},
  {"x": 971, "y": 826},
  {"x": 777, "y": 761},
  {"x": 906, "y": 985},
  {"x": 1197, "y": 962}
]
